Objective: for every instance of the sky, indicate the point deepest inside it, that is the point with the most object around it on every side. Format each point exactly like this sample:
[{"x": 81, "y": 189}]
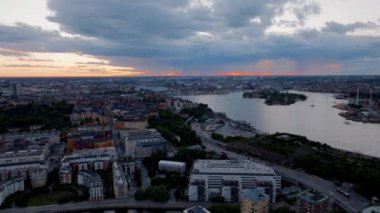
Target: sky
[{"x": 189, "y": 37}]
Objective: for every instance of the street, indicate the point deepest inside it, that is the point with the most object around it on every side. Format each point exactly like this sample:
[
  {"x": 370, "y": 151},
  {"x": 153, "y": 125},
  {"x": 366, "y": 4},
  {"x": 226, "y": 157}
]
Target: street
[{"x": 355, "y": 203}]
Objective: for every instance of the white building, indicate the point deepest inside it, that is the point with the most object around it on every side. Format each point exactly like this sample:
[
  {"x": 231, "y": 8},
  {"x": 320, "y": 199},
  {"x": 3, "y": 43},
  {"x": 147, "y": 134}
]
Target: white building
[
  {"x": 142, "y": 143},
  {"x": 93, "y": 182},
  {"x": 172, "y": 166},
  {"x": 120, "y": 183},
  {"x": 21, "y": 152},
  {"x": 9, "y": 187},
  {"x": 90, "y": 159},
  {"x": 229, "y": 178}
]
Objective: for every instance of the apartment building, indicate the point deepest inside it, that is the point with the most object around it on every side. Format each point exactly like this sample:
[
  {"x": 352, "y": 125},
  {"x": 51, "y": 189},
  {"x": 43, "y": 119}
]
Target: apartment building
[{"x": 229, "y": 178}]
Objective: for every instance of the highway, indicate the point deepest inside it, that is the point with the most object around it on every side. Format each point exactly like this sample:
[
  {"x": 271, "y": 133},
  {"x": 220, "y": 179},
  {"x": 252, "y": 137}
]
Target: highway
[
  {"x": 125, "y": 203},
  {"x": 353, "y": 204}
]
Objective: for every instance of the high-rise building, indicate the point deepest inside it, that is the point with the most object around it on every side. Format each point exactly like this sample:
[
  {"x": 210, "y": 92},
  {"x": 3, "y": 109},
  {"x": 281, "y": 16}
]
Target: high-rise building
[
  {"x": 313, "y": 202},
  {"x": 254, "y": 201},
  {"x": 15, "y": 90},
  {"x": 229, "y": 178}
]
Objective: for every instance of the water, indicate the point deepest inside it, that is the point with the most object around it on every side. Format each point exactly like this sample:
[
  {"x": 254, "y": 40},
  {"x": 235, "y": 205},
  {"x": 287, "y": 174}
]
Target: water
[{"x": 320, "y": 123}]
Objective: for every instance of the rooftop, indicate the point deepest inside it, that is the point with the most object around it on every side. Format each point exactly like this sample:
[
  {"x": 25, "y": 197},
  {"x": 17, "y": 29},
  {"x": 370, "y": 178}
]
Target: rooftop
[
  {"x": 232, "y": 167},
  {"x": 255, "y": 195},
  {"x": 313, "y": 197}
]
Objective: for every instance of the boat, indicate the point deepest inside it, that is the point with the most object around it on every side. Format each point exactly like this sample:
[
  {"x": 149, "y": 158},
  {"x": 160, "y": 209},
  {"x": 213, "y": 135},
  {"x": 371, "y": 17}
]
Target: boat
[
  {"x": 312, "y": 105},
  {"x": 346, "y": 122}
]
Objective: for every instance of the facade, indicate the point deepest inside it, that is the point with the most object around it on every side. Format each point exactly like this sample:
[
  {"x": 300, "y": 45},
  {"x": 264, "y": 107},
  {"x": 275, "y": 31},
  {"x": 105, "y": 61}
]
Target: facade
[
  {"x": 142, "y": 143},
  {"x": 313, "y": 202},
  {"x": 85, "y": 113},
  {"x": 172, "y": 166},
  {"x": 93, "y": 183},
  {"x": 91, "y": 159},
  {"x": 254, "y": 201},
  {"x": 196, "y": 209},
  {"x": 38, "y": 177},
  {"x": 129, "y": 167},
  {"x": 120, "y": 183},
  {"x": 229, "y": 178},
  {"x": 65, "y": 175},
  {"x": 130, "y": 124},
  {"x": 9, "y": 187},
  {"x": 89, "y": 137}
]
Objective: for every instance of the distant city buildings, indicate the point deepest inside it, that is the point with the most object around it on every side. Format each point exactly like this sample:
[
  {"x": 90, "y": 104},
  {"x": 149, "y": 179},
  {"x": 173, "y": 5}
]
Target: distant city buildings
[
  {"x": 254, "y": 201},
  {"x": 120, "y": 183},
  {"x": 142, "y": 143},
  {"x": 229, "y": 178},
  {"x": 172, "y": 166},
  {"x": 313, "y": 202},
  {"x": 93, "y": 182},
  {"x": 10, "y": 187}
]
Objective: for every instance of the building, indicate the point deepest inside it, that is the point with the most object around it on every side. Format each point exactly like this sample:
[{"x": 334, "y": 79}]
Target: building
[
  {"x": 196, "y": 209},
  {"x": 229, "y": 178},
  {"x": 9, "y": 187},
  {"x": 89, "y": 114},
  {"x": 125, "y": 123},
  {"x": 90, "y": 159},
  {"x": 93, "y": 182},
  {"x": 38, "y": 177},
  {"x": 120, "y": 183},
  {"x": 89, "y": 137},
  {"x": 372, "y": 209},
  {"x": 172, "y": 166},
  {"x": 142, "y": 143},
  {"x": 15, "y": 90},
  {"x": 21, "y": 152},
  {"x": 313, "y": 202},
  {"x": 254, "y": 201},
  {"x": 65, "y": 175}
]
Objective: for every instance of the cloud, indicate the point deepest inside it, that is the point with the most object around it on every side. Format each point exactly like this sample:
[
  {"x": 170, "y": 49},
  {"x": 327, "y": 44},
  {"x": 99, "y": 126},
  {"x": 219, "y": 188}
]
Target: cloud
[
  {"x": 195, "y": 36},
  {"x": 334, "y": 27}
]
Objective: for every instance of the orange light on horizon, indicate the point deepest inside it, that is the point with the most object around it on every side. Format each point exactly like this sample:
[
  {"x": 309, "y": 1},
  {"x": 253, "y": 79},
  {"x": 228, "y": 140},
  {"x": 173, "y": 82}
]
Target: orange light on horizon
[{"x": 256, "y": 73}]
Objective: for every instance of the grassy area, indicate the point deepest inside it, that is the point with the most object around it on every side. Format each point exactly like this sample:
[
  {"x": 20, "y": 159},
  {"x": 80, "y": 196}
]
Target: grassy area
[{"x": 49, "y": 198}]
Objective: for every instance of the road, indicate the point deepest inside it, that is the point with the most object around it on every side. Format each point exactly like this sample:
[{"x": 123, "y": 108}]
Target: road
[
  {"x": 353, "y": 204},
  {"x": 125, "y": 203}
]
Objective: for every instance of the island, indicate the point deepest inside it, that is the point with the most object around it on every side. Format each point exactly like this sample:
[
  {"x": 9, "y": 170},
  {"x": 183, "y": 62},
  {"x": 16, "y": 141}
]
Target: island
[{"x": 273, "y": 97}]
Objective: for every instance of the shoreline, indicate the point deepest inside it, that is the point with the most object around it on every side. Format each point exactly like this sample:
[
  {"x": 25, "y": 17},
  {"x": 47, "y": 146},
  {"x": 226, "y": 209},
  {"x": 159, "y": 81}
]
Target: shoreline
[{"x": 257, "y": 131}]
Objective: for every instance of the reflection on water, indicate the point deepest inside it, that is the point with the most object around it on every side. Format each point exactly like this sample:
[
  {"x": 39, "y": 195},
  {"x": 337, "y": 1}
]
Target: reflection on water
[{"x": 314, "y": 118}]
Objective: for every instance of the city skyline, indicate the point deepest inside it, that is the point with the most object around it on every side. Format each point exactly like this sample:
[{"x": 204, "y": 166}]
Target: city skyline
[{"x": 47, "y": 38}]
